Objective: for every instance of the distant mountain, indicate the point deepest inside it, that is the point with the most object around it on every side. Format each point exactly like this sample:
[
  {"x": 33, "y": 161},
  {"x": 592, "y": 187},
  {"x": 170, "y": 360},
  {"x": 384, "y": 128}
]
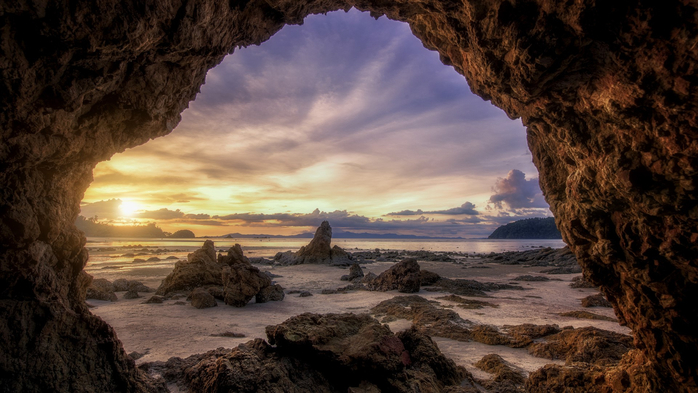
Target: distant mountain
[
  {"x": 341, "y": 235},
  {"x": 93, "y": 228},
  {"x": 530, "y": 228},
  {"x": 182, "y": 234}
]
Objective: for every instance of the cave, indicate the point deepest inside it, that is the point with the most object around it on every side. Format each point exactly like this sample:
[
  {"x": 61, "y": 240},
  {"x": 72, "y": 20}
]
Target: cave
[{"x": 607, "y": 92}]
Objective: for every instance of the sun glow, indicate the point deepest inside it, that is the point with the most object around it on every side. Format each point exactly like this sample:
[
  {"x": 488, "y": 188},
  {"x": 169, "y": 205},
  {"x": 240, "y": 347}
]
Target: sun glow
[{"x": 129, "y": 208}]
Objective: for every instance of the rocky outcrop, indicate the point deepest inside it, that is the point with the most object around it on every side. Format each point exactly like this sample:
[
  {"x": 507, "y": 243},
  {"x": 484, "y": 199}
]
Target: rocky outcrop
[
  {"x": 200, "y": 269},
  {"x": 323, "y": 353},
  {"x": 403, "y": 276},
  {"x": 318, "y": 251},
  {"x": 230, "y": 277},
  {"x": 607, "y": 91}
]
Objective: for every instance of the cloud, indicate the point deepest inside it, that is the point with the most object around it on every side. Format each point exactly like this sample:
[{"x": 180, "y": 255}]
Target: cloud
[
  {"x": 466, "y": 208},
  {"x": 104, "y": 210},
  {"x": 517, "y": 192}
]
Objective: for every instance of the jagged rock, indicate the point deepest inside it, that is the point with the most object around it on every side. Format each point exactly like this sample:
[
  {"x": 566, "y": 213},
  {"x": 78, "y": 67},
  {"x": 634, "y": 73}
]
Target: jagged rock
[
  {"x": 321, "y": 353},
  {"x": 242, "y": 282},
  {"x": 272, "y": 293},
  {"x": 403, "y": 276},
  {"x": 200, "y": 298},
  {"x": 230, "y": 277},
  {"x": 101, "y": 289},
  {"x": 200, "y": 269},
  {"x": 131, "y": 294},
  {"x": 318, "y": 251},
  {"x": 607, "y": 91},
  {"x": 305, "y": 294},
  {"x": 597, "y": 300}
]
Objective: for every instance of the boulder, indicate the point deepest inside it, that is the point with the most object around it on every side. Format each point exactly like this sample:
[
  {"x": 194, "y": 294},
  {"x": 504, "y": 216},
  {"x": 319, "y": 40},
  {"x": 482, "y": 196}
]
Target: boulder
[
  {"x": 271, "y": 293},
  {"x": 130, "y": 294},
  {"x": 354, "y": 273},
  {"x": 121, "y": 285},
  {"x": 200, "y": 298},
  {"x": 101, "y": 289},
  {"x": 403, "y": 276}
]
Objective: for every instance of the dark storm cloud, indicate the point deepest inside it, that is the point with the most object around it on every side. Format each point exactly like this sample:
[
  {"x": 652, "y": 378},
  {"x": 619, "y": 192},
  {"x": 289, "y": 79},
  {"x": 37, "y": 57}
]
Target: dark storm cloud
[
  {"x": 104, "y": 210},
  {"x": 466, "y": 208},
  {"x": 517, "y": 192}
]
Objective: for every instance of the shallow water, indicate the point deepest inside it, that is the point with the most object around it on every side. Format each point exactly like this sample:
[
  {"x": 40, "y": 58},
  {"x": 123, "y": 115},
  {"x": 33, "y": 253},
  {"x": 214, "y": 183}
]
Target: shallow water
[{"x": 108, "y": 260}]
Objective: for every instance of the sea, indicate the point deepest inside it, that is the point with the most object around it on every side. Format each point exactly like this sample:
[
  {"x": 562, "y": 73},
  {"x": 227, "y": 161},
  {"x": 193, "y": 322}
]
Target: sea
[{"x": 268, "y": 247}]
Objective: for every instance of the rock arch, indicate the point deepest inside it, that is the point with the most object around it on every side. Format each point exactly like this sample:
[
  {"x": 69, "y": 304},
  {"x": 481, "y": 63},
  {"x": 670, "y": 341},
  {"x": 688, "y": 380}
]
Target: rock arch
[{"x": 607, "y": 91}]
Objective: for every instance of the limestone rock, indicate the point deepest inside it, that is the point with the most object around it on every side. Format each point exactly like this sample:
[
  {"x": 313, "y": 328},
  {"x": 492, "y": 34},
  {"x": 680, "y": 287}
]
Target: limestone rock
[
  {"x": 403, "y": 276},
  {"x": 200, "y": 298}
]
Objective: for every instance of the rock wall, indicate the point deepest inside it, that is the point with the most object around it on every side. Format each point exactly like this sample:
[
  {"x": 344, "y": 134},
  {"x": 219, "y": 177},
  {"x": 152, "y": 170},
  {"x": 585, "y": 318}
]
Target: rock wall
[{"x": 607, "y": 91}]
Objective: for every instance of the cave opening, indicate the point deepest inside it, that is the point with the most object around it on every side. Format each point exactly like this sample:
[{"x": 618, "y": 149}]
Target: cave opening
[
  {"x": 606, "y": 91},
  {"x": 323, "y": 106}
]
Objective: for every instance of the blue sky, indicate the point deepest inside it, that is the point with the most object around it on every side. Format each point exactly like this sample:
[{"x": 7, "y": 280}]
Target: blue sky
[{"x": 345, "y": 118}]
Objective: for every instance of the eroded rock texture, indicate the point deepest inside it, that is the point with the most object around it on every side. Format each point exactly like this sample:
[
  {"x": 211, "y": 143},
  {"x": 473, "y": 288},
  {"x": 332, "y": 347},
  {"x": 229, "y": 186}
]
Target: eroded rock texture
[{"x": 607, "y": 90}]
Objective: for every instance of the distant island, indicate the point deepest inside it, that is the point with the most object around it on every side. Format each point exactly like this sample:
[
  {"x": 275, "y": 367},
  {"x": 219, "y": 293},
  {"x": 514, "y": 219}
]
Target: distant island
[
  {"x": 341, "y": 235},
  {"x": 529, "y": 228},
  {"x": 91, "y": 227}
]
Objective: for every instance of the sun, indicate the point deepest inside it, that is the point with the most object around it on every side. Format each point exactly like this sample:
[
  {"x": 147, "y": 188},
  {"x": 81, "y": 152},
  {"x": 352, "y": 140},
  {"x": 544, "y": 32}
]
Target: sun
[{"x": 129, "y": 208}]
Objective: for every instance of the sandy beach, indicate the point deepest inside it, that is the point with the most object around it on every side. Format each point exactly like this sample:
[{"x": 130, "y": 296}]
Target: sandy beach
[{"x": 157, "y": 332}]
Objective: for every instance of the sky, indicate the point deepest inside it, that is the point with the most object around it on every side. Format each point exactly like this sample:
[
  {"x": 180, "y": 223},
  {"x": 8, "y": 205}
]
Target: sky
[{"x": 345, "y": 118}]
